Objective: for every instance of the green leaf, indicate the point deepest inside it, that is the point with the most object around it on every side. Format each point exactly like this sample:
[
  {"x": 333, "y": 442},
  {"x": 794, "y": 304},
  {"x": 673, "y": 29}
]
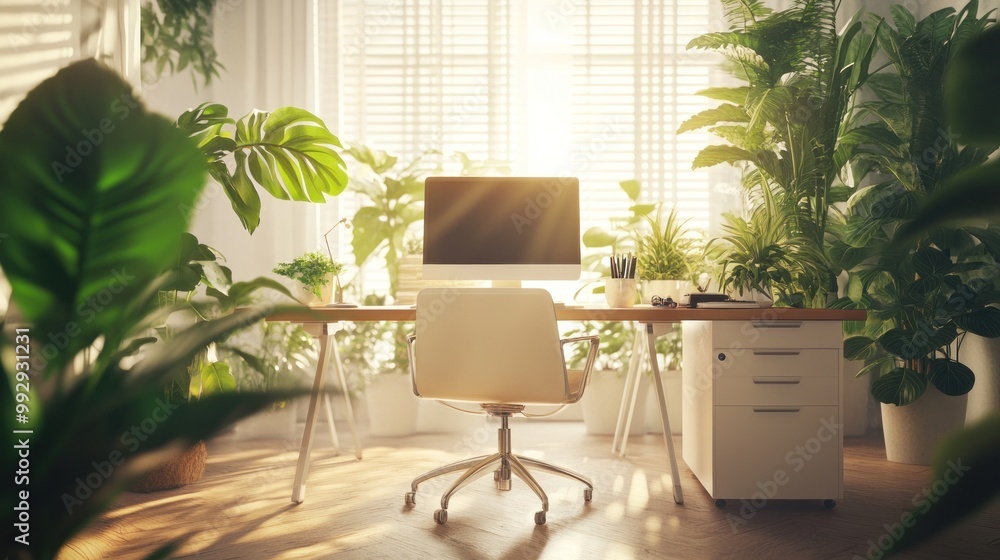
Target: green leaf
[
  {"x": 632, "y": 188},
  {"x": 929, "y": 261},
  {"x": 714, "y": 155},
  {"x": 971, "y": 194},
  {"x": 599, "y": 237},
  {"x": 724, "y": 113},
  {"x": 289, "y": 153},
  {"x": 971, "y": 82},
  {"x": 216, "y": 377},
  {"x": 951, "y": 377},
  {"x": 93, "y": 191},
  {"x": 859, "y": 348},
  {"x": 904, "y": 20},
  {"x": 984, "y": 322},
  {"x": 735, "y": 95},
  {"x": 900, "y": 387},
  {"x": 370, "y": 231},
  {"x": 909, "y": 345}
]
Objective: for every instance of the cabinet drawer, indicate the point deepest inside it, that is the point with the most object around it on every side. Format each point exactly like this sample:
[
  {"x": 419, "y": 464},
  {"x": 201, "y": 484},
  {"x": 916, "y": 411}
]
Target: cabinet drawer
[
  {"x": 777, "y": 452},
  {"x": 777, "y": 390},
  {"x": 778, "y": 334},
  {"x": 776, "y": 362}
]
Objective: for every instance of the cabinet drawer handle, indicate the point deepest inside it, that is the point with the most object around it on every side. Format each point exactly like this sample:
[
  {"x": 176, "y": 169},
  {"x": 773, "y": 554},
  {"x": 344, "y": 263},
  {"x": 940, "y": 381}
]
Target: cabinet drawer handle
[
  {"x": 775, "y": 410},
  {"x": 765, "y": 324},
  {"x": 776, "y": 352},
  {"x": 776, "y": 380}
]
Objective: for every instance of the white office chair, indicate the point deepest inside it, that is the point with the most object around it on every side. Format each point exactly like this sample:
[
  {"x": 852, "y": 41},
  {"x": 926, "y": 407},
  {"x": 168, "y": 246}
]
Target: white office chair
[{"x": 499, "y": 348}]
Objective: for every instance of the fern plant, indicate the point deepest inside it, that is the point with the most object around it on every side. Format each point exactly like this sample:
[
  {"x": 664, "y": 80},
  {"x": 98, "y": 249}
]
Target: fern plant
[
  {"x": 667, "y": 251},
  {"x": 786, "y": 126}
]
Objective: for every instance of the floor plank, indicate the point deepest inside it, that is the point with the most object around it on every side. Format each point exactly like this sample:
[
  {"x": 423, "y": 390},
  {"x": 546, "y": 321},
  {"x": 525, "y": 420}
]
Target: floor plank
[{"x": 241, "y": 508}]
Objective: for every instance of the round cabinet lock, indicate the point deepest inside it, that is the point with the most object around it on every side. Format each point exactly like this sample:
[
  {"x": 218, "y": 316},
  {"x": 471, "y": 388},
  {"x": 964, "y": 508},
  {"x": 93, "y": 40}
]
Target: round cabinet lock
[{"x": 722, "y": 356}]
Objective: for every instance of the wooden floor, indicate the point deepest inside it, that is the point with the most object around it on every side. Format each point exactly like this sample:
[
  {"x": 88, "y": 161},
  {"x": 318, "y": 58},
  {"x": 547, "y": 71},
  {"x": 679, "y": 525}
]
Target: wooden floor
[{"x": 241, "y": 508}]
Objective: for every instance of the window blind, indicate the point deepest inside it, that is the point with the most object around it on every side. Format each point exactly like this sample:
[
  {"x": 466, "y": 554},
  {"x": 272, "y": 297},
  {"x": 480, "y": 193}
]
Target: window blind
[
  {"x": 36, "y": 39},
  {"x": 589, "y": 88}
]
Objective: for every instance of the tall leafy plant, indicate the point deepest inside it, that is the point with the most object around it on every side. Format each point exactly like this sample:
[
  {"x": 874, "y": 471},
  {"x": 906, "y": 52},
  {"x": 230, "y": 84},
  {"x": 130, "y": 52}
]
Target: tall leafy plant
[
  {"x": 84, "y": 253},
  {"x": 924, "y": 294},
  {"x": 787, "y": 126},
  {"x": 973, "y": 75}
]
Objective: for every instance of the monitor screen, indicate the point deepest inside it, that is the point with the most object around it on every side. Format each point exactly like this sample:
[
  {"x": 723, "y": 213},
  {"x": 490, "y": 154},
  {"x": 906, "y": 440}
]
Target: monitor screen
[{"x": 501, "y": 228}]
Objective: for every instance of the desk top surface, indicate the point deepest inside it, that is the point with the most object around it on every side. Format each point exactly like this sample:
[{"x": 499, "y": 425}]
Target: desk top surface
[{"x": 642, "y": 314}]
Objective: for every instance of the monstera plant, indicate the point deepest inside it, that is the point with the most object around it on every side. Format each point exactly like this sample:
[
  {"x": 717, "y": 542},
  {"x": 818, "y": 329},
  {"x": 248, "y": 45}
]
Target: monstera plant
[
  {"x": 288, "y": 153},
  {"x": 93, "y": 187}
]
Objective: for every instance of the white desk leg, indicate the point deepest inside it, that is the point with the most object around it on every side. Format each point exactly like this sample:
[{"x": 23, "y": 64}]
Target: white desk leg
[
  {"x": 625, "y": 410},
  {"x": 305, "y": 449},
  {"x": 668, "y": 436},
  {"x": 636, "y": 383},
  {"x": 347, "y": 401},
  {"x": 328, "y": 408}
]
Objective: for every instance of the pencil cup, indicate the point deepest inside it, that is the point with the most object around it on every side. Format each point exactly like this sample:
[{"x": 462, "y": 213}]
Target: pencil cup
[{"x": 620, "y": 292}]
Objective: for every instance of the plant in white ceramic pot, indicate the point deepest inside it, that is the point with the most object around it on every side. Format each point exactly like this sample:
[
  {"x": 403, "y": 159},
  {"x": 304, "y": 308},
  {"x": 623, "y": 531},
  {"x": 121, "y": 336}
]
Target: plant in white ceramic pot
[
  {"x": 316, "y": 273},
  {"x": 668, "y": 255}
]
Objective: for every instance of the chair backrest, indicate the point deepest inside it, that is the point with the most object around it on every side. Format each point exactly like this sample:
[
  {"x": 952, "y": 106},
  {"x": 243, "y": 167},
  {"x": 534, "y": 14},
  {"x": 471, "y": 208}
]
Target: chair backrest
[{"x": 488, "y": 345}]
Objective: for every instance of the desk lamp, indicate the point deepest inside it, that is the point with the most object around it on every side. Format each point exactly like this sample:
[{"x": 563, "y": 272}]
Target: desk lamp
[{"x": 338, "y": 294}]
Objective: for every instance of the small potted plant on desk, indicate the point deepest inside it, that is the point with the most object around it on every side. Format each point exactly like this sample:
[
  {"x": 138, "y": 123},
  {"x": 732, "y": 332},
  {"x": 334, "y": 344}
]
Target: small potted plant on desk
[
  {"x": 317, "y": 274},
  {"x": 667, "y": 257}
]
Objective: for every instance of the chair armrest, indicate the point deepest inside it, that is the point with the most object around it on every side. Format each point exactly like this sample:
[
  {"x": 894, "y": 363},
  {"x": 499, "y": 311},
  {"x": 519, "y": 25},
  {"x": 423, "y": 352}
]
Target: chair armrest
[
  {"x": 594, "y": 341},
  {"x": 411, "y": 340}
]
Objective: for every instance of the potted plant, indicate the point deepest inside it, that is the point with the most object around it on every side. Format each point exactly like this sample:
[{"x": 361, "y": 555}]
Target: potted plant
[
  {"x": 666, "y": 256},
  {"x": 924, "y": 294},
  {"x": 79, "y": 415},
  {"x": 788, "y": 128},
  {"x": 757, "y": 257},
  {"x": 316, "y": 274}
]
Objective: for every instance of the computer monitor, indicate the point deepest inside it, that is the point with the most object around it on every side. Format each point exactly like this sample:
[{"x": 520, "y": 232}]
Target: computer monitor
[{"x": 501, "y": 228}]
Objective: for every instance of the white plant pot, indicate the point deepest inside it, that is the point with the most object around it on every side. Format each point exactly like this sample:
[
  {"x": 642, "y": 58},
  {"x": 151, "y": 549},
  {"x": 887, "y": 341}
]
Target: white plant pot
[
  {"x": 857, "y": 396},
  {"x": 673, "y": 289},
  {"x": 982, "y": 355},
  {"x": 392, "y": 406},
  {"x": 672, "y": 388},
  {"x": 913, "y": 432},
  {"x": 603, "y": 398},
  {"x": 273, "y": 424}
]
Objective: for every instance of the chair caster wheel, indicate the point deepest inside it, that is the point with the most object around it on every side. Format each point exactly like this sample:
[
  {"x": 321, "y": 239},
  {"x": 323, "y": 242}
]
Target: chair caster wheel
[
  {"x": 829, "y": 504},
  {"x": 496, "y": 475},
  {"x": 588, "y": 494},
  {"x": 410, "y": 498},
  {"x": 720, "y": 503},
  {"x": 441, "y": 516},
  {"x": 539, "y": 518}
]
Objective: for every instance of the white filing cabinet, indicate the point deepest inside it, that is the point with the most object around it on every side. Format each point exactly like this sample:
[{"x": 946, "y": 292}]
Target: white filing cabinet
[{"x": 762, "y": 407}]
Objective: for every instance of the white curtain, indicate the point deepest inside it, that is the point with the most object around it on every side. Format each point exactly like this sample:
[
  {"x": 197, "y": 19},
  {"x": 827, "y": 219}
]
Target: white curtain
[{"x": 266, "y": 47}]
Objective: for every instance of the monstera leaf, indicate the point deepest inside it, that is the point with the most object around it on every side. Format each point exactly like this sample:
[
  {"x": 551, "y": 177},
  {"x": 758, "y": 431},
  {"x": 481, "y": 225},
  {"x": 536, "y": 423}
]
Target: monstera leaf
[
  {"x": 93, "y": 186},
  {"x": 288, "y": 153}
]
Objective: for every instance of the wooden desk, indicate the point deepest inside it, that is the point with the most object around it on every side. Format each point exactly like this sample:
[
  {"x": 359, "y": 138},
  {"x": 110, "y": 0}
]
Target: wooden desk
[{"x": 318, "y": 320}]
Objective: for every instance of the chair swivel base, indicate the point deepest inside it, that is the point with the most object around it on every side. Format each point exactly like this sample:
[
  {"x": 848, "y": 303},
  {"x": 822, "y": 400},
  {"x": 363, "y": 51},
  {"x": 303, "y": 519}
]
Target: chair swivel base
[{"x": 503, "y": 463}]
